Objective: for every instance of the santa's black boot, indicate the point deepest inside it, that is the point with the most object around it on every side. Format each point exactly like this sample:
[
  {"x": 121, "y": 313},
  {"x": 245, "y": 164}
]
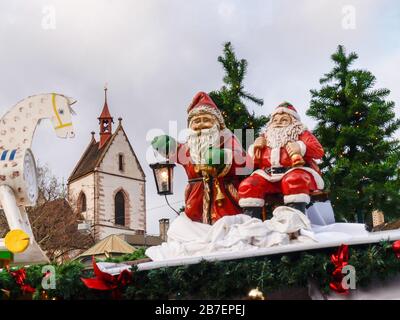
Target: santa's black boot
[
  {"x": 301, "y": 206},
  {"x": 254, "y": 212}
]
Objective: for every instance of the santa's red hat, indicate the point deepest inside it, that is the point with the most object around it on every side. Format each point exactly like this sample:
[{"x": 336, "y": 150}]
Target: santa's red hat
[
  {"x": 286, "y": 107},
  {"x": 202, "y": 103}
]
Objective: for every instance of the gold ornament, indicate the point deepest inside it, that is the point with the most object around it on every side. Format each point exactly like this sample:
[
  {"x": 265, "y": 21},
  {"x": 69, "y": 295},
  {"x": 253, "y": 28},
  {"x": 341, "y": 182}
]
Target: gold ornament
[
  {"x": 209, "y": 171},
  {"x": 44, "y": 295},
  {"x": 297, "y": 160},
  {"x": 256, "y": 294},
  {"x": 220, "y": 196}
]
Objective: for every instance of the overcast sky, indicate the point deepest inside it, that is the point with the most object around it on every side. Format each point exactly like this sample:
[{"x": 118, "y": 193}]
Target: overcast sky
[{"x": 155, "y": 55}]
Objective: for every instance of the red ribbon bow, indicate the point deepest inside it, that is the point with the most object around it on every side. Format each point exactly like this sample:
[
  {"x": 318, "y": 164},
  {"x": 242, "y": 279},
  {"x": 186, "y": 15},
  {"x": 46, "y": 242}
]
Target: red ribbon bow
[
  {"x": 340, "y": 259},
  {"x": 107, "y": 282},
  {"x": 19, "y": 277},
  {"x": 396, "y": 248}
]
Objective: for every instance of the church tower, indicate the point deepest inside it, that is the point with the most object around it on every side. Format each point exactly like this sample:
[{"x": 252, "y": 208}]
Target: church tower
[
  {"x": 107, "y": 185},
  {"x": 105, "y": 121}
]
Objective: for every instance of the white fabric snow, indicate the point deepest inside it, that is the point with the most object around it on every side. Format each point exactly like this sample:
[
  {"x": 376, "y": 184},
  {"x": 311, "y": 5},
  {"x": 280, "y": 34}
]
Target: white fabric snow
[
  {"x": 187, "y": 238},
  {"x": 113, "y": 268}
]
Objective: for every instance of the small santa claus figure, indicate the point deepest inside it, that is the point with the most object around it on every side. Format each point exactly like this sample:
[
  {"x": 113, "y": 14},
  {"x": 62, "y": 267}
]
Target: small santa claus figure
[
  {"x": 284, "y": 159},
  {"x": 210, "y": 157}
]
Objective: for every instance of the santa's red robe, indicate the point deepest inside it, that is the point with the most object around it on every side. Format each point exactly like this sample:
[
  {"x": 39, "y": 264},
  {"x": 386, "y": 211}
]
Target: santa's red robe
[
  {"x": 295, "y": 183},
  {"x": 203, "y": 207}
]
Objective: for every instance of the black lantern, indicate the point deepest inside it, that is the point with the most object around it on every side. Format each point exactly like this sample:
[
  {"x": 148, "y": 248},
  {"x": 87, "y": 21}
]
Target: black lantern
[{"x": 164, "y": 176}]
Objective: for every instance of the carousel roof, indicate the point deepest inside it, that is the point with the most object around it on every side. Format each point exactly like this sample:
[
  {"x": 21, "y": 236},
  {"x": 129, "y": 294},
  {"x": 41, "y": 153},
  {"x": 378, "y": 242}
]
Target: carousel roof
[{"x": 110, "y": 244}]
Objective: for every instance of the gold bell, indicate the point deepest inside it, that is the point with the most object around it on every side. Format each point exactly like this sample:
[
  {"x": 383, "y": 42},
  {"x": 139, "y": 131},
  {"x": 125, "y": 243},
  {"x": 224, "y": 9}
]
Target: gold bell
[
  {"x": 255, "y": 294},
  {"x": 297, "y": 160},
  {"x": 220, "y": 196}
]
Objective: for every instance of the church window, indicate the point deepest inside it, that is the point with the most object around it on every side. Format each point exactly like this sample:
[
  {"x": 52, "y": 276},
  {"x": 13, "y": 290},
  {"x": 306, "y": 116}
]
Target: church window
[
  {"x": 83, "y": 202},
  {"x": 121, "y": 162},
  {"x": 120, "y": 208}
]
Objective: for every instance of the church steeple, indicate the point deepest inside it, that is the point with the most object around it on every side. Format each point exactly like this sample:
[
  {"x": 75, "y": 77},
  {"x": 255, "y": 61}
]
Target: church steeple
[{"x": 105, "y": 121}]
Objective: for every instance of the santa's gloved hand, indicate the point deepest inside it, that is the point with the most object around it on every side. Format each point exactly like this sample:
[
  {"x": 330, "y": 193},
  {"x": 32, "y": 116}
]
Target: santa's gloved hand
[
  {"x": 215, "y": 157},
  {"x": 164, "y": 145}
]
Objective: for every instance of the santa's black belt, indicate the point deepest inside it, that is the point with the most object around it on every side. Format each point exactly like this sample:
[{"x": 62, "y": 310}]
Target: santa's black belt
[{"x": 277, "y": 170}]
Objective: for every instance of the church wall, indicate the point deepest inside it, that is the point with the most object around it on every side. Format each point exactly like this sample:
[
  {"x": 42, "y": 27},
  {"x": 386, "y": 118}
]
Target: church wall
[
  {"x": 84, "y": 184},
  {"x": 106, "y": 181},
  {"x": 130, "y": 180},
  {"x": 110, "y": 162},
  {"x": 109, "y": 185}
]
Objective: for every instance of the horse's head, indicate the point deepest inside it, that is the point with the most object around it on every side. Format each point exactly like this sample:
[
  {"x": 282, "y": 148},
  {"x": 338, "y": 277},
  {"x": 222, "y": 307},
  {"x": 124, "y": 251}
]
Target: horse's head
[{"x": 62, "y": 114}]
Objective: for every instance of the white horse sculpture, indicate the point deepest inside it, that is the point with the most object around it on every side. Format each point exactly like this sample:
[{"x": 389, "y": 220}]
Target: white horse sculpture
[{"x": 18, "y": 180}]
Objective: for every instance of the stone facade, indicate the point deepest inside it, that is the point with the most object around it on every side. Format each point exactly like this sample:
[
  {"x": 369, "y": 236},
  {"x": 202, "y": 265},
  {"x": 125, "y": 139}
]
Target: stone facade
[{"x": 102, "y": 172}]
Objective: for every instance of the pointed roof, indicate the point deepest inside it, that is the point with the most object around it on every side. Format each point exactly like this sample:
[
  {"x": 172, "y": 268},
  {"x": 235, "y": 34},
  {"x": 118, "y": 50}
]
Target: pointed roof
[
  {"x": 105, "y": 113},
  {"x": 87, "y": 163},
  {"x": 93, "y": 156},
  {"x": 110, "y": 244}
]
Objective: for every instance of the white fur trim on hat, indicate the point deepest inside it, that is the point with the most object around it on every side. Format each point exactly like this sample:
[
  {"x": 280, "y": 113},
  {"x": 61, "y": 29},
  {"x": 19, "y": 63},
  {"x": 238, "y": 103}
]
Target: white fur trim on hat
[
  {"x": 207, "y": 109},
  {"x": 286, "y": 110},
  {"x": 300, "y": 197},
  {"x": 251, "y": 202}
]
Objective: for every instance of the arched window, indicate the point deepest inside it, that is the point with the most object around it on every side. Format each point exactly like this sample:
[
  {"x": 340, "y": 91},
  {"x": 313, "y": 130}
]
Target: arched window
[
  {"x": 121, "y": 162},
  {"x": 82, "y": 202},
  {"x": 120, "y": 208}
]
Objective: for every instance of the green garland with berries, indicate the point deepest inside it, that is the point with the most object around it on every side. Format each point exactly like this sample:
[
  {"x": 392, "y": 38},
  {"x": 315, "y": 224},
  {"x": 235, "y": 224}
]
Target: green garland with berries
[{"x": 215, "y": 280}]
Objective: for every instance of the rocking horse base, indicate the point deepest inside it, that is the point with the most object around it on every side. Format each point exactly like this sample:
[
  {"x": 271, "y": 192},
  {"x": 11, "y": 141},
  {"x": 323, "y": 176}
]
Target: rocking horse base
[{"x": 33, "y": 254}]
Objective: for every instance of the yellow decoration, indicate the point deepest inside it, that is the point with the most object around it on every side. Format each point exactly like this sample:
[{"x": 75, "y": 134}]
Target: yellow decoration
[
  {"x": 256, "y": 294},
  {"x": 220, "y": 196},
  {"x": 16, "y": 241},
  {"x": 61, "y": 125}
]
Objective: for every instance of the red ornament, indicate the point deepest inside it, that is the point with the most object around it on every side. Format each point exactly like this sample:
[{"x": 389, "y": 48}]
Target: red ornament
[
  {"x": 340, "y": 259},
  {"x": 19, "y": 277},
  {"x": 396, "y": 248},
  {"x": 107, "y": 282}
]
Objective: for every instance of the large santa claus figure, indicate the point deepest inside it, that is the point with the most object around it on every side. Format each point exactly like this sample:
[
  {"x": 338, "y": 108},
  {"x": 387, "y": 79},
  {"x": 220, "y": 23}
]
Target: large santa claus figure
[
  {"x": 284, "y": 161},
  {"x": 210, "y": 157}
]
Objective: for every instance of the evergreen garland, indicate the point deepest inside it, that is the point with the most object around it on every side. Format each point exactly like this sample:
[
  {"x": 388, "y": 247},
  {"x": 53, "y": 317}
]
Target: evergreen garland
[{"x": 218, "y": 280}]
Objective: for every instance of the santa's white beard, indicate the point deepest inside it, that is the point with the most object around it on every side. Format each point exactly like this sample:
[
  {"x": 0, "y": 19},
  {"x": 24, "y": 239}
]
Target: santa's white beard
[
  {"x": 279, "y": 137},
  {"x": 199, "y": 141}
]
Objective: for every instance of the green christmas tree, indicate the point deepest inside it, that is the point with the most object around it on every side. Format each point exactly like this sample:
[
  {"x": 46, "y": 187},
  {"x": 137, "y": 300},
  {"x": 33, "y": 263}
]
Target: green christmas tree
[
  {"x": 356, "y": 126},
  {"x": 232, "y": 96}
]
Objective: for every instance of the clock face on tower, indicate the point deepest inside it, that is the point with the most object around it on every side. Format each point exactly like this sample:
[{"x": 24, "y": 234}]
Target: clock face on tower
[{"x": 30, "y": 177}]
